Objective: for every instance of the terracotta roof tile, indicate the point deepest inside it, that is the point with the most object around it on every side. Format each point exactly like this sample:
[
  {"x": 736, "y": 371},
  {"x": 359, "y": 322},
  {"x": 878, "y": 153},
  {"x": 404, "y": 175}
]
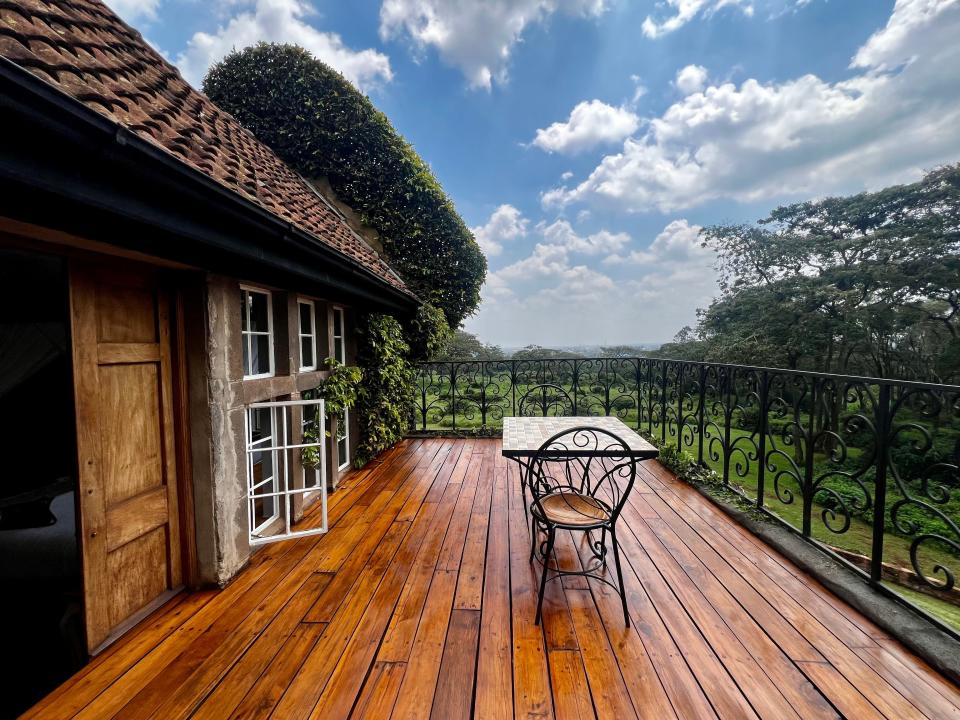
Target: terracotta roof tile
[{"x": 87, "y": 52}]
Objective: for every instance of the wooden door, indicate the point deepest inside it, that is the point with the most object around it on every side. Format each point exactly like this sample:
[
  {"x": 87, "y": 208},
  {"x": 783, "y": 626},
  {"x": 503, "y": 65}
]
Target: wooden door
[{"x": 130, "y": 537}]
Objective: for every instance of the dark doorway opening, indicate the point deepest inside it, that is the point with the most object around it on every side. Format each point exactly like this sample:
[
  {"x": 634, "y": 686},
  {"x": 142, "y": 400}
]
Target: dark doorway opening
[{"x": 41, "y": 602}]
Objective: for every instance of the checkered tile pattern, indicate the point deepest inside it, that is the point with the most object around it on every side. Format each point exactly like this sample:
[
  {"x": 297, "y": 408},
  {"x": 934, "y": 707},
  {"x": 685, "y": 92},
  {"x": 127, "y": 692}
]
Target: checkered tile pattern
[{"x": 523, "y": 436}]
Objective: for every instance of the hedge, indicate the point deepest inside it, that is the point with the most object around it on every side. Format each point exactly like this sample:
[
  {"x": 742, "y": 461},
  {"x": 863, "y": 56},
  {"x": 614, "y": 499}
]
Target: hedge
[{"x": 321, "y": 125}]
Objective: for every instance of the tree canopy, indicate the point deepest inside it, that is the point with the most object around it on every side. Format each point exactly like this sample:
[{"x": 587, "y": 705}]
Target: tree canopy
[
  {"x": 322, "y": 126},
  {"x": 866, "y": 284},
  {"x": 462, "y": 345}
]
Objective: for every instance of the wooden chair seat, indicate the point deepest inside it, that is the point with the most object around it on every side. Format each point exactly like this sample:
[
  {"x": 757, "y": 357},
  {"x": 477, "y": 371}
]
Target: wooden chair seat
[{"x": 572, "y": 509}]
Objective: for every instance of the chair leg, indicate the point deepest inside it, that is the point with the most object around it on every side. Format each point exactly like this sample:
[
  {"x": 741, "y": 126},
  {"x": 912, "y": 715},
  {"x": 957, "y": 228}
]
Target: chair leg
[
  {"x": 623, "y": 590},
  {"x": 546, "y": 569},
  {"x": 533, "y": 538}
]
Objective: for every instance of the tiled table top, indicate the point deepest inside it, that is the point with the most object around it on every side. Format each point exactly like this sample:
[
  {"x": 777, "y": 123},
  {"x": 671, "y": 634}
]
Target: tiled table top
[{"x": 523, "y": 436}]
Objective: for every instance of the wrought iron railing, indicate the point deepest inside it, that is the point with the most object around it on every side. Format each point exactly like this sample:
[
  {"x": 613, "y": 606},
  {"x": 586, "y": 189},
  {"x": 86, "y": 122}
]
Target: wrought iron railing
[{"x": 819, "y": 452}]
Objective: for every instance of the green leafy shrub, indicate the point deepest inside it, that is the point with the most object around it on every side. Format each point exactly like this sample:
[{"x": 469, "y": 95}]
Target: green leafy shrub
[
  {"x": 320, "y": 124},
  {"x": 427, "y": 332},
  {"x": 339, "y": 392},
  {"x": 385, "y": 395}
]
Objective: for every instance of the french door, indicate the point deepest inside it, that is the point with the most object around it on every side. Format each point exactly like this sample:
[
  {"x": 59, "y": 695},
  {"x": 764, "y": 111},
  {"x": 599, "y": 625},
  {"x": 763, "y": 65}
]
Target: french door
[{"x": 286, "y": 469}]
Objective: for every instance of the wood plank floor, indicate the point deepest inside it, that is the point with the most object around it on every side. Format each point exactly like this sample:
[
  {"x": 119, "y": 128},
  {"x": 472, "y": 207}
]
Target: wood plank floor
[{"x": 420, "y": 603}]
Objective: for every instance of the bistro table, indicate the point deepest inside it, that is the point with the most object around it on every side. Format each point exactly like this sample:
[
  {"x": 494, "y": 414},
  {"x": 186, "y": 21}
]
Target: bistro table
[{"x": 524, "y": 436}]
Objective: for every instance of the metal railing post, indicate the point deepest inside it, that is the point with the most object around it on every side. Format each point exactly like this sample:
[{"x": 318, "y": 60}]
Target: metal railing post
[
  {"x": 762, "y": 428},
  {"x": 884, "y": 421}
]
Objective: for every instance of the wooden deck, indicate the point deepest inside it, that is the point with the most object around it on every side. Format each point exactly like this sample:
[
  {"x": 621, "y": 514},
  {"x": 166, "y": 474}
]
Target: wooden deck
[{"x": 420, "y": 602}]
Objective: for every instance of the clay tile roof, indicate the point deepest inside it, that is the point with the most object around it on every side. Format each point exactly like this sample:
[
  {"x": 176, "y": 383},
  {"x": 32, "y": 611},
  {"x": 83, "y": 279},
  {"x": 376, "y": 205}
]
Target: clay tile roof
[{"x": 87, "y": 52}]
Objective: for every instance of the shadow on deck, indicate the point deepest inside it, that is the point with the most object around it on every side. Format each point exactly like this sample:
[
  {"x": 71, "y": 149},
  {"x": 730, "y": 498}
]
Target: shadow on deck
[{"x": 420, "y": 602}]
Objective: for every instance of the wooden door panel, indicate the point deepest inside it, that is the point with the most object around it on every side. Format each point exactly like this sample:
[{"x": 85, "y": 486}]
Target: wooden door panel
[
  {"x": 138, "y": 574},
  {"x": 125, "y": 437},
  {"x": 131, "y": 396}
]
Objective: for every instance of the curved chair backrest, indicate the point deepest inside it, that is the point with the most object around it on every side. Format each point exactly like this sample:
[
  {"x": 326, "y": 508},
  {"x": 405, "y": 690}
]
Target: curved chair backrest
[
  {"x": 545, "y": 400},
  {"x": 588, "y": 461}
]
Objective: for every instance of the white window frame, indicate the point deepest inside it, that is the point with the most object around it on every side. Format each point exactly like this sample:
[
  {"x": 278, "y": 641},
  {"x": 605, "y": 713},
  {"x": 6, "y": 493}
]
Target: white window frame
[
  {"x": 345, "y": 424},
  {"x": 248, "y": 334},
  {"x": 337, "y": 310},
  {"x": 282, "y": 452},
  {"x": 312, "y": 334}
]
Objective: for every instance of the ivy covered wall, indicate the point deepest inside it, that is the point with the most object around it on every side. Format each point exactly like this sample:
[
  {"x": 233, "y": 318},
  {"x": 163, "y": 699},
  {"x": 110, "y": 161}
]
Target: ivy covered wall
[
  {"x": 323, "y": 127},
  {"x": 320, "y": 124}
]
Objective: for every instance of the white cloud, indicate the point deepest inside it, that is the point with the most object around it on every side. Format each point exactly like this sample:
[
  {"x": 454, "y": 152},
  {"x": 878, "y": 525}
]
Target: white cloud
[
  {"x": 550, "y": 299},
  {"x": 691, "y": 79},
  {"x": 686, "y": 10},
  {"x": 903, "y": 38},
  {"x": 134, "y": 10},
  {"x": 591, "y": 123},
  {"x": 679, "y": 242},
  {"x": 898, "y": 115},
  {"x": 560, "y": 233},
  {"x": 504, "y": 225},
  {"x": 474, "y": 36},
  {"x": 282, "y": 21}
]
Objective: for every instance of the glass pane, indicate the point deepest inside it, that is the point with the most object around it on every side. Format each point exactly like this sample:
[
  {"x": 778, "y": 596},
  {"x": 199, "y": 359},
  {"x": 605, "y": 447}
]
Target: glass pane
[
  {"x": 343, "y": 447},
  {"x": 338, "y": 352},
  {"x": 261, "y": 354},
  {"x": 306, "y": 352},
  {"x": 306, "y": 319},
  {"x": 246, "y": 354},
  {"x": 243, "y": 310},
  {"x": 258, "y": 312},
  {"x": 263, "y": 510},
  {"x": 338, "y": 322},
  {"x": 261, "y": 425}
]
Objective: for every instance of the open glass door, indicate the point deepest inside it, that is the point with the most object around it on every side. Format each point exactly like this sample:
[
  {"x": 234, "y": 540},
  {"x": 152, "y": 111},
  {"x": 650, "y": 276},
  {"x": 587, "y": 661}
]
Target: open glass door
[{"x": 286, "y": 470}]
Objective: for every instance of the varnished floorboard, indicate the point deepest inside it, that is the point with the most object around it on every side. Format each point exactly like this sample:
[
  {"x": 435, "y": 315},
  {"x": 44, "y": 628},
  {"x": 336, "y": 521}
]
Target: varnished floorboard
[{"x": 419, "y": 603}]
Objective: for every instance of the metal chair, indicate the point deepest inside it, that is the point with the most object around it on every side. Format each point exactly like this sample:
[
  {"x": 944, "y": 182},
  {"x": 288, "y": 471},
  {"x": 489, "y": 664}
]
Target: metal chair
[
  {"x": 547, "y": 400},
  {"x": 539, "y": 401},
  {"x": 580, "y": 479}
]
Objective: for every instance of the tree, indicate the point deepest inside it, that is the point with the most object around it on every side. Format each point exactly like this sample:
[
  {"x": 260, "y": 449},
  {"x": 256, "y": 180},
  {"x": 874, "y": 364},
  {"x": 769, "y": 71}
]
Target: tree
[
  {"x": 621, "y": 351},
  {"x": 467, "y": 346},
  {"x": 322, "y": 126},
  {"x": 866, "y": 284},
  {"x": 536, "y": 352}
]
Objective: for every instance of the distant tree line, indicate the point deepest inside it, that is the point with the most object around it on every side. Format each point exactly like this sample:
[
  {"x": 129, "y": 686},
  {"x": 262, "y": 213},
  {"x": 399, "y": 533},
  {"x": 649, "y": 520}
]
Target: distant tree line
[{"x": 462, "y": 345}]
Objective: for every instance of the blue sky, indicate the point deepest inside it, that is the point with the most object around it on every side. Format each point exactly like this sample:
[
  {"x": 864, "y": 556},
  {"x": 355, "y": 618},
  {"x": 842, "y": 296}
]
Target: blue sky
[{"x": 587, "y": 141}]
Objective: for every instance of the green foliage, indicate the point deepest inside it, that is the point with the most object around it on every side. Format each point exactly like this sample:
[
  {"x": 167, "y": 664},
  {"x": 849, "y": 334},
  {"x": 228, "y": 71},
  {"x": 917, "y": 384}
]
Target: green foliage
[
  {"x": 320, "y": 124},
  {"x": 536, "y": 352},
  {"x": 462, "y": 345},
  {"x": 339, "y": 392},
  {"x": 339, "y": 389},
  {"x": 427, "y": 332},
  {"x": 386, "y": 390},
  {"x": 865, "y": 284}
]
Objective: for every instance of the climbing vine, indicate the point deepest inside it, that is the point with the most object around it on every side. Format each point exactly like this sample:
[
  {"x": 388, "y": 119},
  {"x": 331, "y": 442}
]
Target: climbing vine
[
  {"x": 339, "y": 392},
  {"x": 385, "y": 395}
]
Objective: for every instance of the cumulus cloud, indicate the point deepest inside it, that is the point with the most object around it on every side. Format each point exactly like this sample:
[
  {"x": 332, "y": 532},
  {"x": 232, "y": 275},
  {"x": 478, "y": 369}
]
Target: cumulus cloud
[
  {"x": 554, "y": 296},
  {"x": 474, "y": 36},
  {"x": 504, "y": 225},
  {"x": 691, "y": 79},
  {"x": 897, "y": 114},
  {"x": 591, "y": 123},
  {"x": 560, "y": 233},
  {"x": 283, "y": 21},
  {"x": 678, "y": 243},
  {"x": 683, "y": 11},
  {"x": 133, "y": 10}
]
